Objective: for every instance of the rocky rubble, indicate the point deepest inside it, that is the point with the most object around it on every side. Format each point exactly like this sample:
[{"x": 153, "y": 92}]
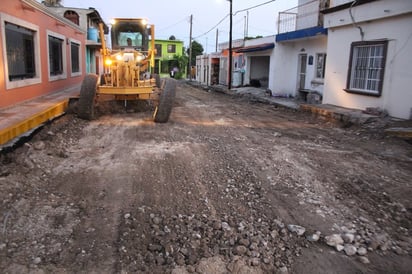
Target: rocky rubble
[{"x": 183, "y": 240}]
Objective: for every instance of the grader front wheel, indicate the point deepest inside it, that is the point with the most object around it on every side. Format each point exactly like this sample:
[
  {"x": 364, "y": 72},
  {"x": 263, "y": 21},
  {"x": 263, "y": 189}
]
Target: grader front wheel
[
  {"x": 166, "y": 98},
  {"x": 87, "y": 97}
]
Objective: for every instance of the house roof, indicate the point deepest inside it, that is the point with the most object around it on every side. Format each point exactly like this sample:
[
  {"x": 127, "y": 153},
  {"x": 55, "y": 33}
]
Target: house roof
[{"x": 254, "y": 48}]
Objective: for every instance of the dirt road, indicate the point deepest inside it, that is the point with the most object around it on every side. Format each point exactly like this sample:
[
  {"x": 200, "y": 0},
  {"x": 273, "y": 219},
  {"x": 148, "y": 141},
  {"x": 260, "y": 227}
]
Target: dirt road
[{"x": 226, "y": 186}]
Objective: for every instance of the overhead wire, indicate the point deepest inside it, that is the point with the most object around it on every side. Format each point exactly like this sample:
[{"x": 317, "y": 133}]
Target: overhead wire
[
  {"x": 172, "y": 25},
  {"x": 227, "y": 15}
]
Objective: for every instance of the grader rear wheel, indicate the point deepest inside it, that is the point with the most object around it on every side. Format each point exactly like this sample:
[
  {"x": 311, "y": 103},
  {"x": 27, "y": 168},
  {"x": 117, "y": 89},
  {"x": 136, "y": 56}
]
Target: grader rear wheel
[
  {"x": 87, "y": 97},
  {"x": 164, "y": 108}
]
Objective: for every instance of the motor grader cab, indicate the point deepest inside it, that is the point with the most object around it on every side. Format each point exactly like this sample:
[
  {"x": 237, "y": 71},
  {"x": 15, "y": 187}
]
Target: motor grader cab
[{"x": 128, "y": 68}]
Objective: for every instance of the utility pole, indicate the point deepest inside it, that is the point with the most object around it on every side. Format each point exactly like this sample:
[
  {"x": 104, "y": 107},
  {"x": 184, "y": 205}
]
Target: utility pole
[
  {"x": 190, "y": 48},
  {"x": 230, "y": 47},
  {"x": 247, "y": 24},
  {"x": 217, "y": 39}
]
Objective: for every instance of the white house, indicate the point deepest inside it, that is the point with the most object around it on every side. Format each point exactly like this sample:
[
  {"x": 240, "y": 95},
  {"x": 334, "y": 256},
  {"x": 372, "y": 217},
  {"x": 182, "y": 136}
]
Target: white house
[
  {"x": 300, "y": 52},
  {"x": 369, "y": 56},
  {"x": 256, "y": 63}
]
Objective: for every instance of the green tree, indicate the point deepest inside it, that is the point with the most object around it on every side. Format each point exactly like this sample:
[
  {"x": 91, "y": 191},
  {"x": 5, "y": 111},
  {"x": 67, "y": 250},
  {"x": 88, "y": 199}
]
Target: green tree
[
  {"x": 197, "y": 49},
  {"x": 182, "y": 62}
]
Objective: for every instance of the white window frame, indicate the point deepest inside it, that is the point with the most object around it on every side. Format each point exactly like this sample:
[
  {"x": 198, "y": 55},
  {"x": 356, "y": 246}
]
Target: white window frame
[
  {"x": 36, "y": 42},
  {"x": 63, "y": 75},
  {"x": 79, "y": 73}
]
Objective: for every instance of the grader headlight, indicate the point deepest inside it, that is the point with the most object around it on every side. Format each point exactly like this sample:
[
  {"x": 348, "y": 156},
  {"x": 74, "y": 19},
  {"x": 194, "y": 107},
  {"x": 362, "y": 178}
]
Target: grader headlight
[
  {"x": 108, "y": 62},
  {"x": 140, "y": 58}
]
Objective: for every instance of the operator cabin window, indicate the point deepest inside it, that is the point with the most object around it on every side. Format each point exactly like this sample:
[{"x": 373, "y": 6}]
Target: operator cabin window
[
  {"x": 131, "y": 39},
  {"x": 171, "y": 48},
  {"x": 75, "y": 58},
  {"x": 55, "y": 55},
  {"x": 320, "y": 65},
  {"x": 367, "y": 67},
  {"x": 20, "y": 52}
]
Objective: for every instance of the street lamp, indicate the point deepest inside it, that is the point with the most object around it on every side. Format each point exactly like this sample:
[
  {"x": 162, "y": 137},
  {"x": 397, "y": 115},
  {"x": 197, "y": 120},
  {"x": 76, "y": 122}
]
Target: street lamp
[{"x": 230, "y": 46}]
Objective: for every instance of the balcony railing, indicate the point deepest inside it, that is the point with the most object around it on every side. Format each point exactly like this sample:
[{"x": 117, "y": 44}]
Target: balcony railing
[{"x": 301, "y": 17}]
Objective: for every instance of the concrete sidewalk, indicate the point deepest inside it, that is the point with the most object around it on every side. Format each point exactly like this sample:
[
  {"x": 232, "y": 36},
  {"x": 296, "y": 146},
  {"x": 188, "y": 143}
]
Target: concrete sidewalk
[
  {"x": 336, "y": 113},
  {"x": 25, "y": 117}
]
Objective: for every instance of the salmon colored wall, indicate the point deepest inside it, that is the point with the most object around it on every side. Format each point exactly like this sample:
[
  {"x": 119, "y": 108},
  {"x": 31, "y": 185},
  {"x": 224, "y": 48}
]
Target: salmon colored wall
[{"x": 45, "y": 23}]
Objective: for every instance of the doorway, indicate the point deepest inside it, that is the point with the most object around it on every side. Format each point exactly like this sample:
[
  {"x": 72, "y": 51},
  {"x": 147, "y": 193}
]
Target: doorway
[{"x": 302, "y": 71}]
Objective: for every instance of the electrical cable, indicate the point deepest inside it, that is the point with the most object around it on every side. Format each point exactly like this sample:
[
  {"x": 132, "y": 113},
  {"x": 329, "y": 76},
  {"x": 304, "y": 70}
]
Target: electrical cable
[{"x": 233, "y": 15}]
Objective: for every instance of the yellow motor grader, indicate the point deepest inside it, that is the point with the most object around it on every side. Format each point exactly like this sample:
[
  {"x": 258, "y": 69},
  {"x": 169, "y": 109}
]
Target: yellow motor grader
[{"x": 127, "y": 71}]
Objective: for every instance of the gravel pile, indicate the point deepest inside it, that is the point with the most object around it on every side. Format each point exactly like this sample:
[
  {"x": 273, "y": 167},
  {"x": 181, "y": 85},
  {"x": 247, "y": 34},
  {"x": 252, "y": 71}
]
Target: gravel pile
[{"x": 183, "y": 240}]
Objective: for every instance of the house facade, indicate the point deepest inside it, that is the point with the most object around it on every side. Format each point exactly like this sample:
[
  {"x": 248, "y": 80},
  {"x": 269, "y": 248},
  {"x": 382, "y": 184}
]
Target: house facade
[
  {"x": 166, "y": 51},
  {"x": 300, "y": 54},
  {"x": 40, "y": 52},
  {"x": 88, "y": 20},
  {"x": 369, "y": 61},
  {"x": 256, "y": 64},
  {"x": 213, "y": 68}
]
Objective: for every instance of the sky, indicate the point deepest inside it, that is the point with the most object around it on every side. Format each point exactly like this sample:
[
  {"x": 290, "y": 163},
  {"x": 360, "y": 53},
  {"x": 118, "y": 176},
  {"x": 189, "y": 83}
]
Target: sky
[{"x": 173, "y": 17}]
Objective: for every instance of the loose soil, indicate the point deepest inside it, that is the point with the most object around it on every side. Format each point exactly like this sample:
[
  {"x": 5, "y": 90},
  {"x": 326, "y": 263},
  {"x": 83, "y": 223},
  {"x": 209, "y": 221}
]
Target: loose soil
[{"x": 214, "y": 190}]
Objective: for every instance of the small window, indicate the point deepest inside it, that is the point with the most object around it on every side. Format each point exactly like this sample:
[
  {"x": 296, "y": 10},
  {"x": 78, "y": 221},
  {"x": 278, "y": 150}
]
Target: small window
[
  {"x": 171, "y": 48},
  {"x": 75, "y": 57},
  {"x": 158, "y": 48},
  {"x": 72, "y": 16},
  {"x": 20, "y": 52},
  {"x": 366, "y": 67},
  {"x": 320, "y": 65}
]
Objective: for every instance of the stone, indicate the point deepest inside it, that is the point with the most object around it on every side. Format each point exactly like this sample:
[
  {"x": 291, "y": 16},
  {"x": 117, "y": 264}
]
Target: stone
[
  {"x": 37, "y": 260},
  {"x": 244, "y": 242},
  {"x": 364, "y": 260},
  {"x": 350, "y": 250},
  {"x": 240, "y": 250},
  {"x": 225, "y": 226},
  {"x": 157, "y": 220},
  {"x": 299, "y": 230},
  {"x": 282, "y": 270},
  {"x": 348, "y": 238},
  {"x": 334, "y": 240},
  {"x": 362, "y": 251},
  {"x": 211, "y": 265},
  {"x": 39, "y": 145},
  {"x": 179, "y": 270},
  {"x": 339, "y": 247},
  {"x": 254, "y": 261},
  {"x": 313, "y": 237}
]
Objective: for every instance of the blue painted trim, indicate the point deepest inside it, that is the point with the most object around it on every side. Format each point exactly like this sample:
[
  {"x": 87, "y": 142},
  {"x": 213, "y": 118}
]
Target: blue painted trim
[{"x": 302, "y": 33}]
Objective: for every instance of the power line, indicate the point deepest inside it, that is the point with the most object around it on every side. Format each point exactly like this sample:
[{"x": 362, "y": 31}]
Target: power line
[
  {"x": 254, "y": 7},
  {"x": 227, "y": 15},
  {"x": 172, "y": 25}
]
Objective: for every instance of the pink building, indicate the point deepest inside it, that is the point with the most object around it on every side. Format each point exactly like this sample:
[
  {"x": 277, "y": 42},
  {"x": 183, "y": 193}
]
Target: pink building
[{"x": 40, "y": 52}]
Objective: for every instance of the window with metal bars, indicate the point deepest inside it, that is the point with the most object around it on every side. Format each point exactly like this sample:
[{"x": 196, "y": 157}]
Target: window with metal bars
[
  {"x": 55, "y": 55},
  {"x": 367, "y": 67},
  {"x": 75, "y": 57},
  {"x": 20, "y": 52}
]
